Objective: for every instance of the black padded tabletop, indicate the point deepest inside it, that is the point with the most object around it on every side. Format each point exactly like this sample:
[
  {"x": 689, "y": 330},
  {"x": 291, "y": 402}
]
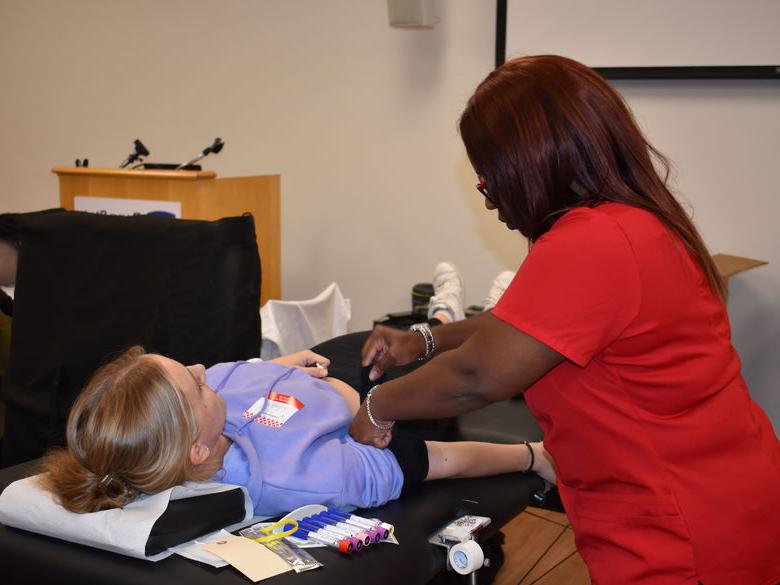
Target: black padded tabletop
[{"x": 31, "y": 558}]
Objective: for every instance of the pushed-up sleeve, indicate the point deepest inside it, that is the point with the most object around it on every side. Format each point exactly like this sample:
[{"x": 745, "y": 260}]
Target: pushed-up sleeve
[{"x": 578, "y": 288}]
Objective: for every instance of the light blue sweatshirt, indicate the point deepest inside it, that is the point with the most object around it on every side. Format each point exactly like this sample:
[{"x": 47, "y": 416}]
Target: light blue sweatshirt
[{"x": 293, "y": 447}]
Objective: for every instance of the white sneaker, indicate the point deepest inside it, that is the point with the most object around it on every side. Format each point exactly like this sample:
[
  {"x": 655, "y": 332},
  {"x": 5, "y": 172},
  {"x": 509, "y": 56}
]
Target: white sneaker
[
  {"x": 497, "y": 289},
  {"x": 447, "y": 292}
]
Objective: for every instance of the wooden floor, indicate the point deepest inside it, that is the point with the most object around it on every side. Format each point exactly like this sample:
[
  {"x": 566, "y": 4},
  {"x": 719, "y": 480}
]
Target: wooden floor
[{"x": 539, "y": 550}]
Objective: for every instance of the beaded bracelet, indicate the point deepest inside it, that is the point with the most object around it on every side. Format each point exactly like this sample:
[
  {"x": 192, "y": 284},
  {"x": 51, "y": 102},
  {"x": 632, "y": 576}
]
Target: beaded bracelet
[
  {"x": 430, "y": 345},
  {"x": 531, "y": 453},
  {"x": 380, "y": 424}
]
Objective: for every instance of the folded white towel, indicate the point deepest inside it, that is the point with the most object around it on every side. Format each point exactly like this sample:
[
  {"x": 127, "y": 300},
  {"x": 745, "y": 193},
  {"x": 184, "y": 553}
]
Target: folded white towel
[{"x": 290, "y": 326}]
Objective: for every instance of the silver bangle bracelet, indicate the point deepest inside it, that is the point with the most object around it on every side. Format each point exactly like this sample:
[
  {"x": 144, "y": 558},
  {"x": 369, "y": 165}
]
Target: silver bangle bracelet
[
  {"x": 430, "y": 345},
  {"x": 380, "y": 424}
]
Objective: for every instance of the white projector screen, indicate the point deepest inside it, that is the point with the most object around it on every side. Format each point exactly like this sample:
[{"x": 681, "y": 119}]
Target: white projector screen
[{"x": 647, "y": 33}]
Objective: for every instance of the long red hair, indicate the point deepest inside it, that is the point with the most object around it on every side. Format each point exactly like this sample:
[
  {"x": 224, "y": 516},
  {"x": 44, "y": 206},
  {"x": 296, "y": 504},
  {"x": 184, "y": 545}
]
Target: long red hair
[{"x": 548, "y": 134}]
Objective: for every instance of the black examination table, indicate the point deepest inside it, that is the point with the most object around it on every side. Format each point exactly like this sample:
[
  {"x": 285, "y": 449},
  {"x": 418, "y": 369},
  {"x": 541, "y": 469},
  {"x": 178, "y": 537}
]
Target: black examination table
[{"x": 31, "y": 558}]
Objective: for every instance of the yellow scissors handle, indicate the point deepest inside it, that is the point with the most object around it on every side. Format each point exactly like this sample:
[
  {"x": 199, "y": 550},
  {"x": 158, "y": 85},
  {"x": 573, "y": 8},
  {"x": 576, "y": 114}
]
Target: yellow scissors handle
[{"x": 270, "y": 535}]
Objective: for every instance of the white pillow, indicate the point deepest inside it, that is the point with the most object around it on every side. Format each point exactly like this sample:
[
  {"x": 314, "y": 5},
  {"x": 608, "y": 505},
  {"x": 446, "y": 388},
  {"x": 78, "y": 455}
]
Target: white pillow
[{"x": 27, "y": 505}]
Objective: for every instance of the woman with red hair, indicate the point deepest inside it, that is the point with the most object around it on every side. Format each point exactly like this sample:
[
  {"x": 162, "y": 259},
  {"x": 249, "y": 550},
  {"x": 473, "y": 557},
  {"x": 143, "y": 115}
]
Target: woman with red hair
[{"x": 615, "y": 328}]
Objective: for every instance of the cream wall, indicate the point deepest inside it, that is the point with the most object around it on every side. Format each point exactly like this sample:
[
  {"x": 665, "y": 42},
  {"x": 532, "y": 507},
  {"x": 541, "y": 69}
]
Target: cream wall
[{"x": 359, "y": 119}]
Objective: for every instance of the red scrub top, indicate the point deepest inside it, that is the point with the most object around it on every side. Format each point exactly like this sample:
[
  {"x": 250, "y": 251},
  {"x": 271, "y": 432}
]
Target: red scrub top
[{"x": 669, "y": 472}]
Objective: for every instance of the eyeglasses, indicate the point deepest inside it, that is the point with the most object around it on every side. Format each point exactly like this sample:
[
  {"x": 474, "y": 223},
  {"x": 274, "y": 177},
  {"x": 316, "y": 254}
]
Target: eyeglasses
[{"x": 482, "y": 188}]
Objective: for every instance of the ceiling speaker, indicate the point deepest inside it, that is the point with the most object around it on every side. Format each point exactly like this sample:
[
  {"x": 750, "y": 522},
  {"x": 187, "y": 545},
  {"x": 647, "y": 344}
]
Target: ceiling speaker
[{"x": 411, "y": 13}]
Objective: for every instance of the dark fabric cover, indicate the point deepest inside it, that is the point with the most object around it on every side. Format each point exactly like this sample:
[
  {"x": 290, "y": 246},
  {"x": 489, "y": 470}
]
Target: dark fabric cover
[
  {"x": 89, "y": 286},
  {"x": 190, "y": 518},
  {"x": 412, "y": 456}
]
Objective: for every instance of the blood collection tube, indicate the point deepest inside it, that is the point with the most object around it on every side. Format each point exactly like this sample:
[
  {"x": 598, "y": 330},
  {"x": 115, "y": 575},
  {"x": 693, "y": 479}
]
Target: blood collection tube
[
  {"x": 373, "y": 534},
  {"x": 364, "y": 522},
  {"x": 355, "y": 533},
  {"x": 367, "y": 536},
  {"x": 341, "y": 545},
  {"x": 357, "y": 544}
]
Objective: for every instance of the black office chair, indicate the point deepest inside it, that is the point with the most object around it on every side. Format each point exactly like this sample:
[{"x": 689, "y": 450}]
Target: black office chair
[{"x": 89, "y": 286}]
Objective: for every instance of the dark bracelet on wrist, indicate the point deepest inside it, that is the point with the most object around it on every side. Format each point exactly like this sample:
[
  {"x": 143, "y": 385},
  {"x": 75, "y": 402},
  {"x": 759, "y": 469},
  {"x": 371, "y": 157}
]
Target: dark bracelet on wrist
[{"x": 532, "y": 456}]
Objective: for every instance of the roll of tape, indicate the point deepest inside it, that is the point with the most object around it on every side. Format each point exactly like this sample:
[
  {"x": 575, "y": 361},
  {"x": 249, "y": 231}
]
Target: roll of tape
[{"x": 466, "y": 557}]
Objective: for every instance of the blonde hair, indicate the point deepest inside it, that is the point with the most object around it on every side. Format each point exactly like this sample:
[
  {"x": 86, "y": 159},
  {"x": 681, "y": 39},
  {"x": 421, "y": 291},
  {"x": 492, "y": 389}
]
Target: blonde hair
[{"x": 129, "y": 432}]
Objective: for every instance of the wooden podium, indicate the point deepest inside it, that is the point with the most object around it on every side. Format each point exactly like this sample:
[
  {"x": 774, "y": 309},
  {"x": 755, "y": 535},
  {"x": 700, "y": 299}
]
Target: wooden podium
[{"x": 202, "y": 196}]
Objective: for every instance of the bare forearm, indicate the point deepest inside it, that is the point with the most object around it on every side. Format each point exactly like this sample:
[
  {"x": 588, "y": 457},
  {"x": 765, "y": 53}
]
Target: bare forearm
[
  {"x": 439, "y": 389},
  {"x": 495, "y": 363},
  {"x": 475, "y": 459}
]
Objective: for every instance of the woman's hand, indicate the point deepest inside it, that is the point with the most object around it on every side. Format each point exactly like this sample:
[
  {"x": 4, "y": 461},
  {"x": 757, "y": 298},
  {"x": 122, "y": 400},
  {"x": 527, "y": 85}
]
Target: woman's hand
[
  {"x": 364, "y": 431},
  {"x": 387, "y": 347},
  {"x": 312, "y": 363}
]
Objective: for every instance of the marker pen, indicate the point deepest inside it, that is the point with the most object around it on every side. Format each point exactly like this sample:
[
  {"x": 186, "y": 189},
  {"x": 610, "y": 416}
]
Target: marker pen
[
  {"x": 355, "y": 520},
  {"x": 341, "y": 545},
  {"x": 365, "y": 522},
  {"x": 357, "y": 544},
  {"x": 349, "y": 532},
  {"x": 373, "y": 534}
]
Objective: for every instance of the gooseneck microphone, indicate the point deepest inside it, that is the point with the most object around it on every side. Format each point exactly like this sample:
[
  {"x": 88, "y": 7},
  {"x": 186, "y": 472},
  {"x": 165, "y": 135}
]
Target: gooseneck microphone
[
  {"x": 215, "y": 147},
  {"x": 138, "y": 154}
]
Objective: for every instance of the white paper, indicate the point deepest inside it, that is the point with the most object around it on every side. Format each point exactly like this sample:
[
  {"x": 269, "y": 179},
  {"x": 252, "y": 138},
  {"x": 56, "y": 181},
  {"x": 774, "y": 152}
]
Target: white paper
[{"x": 120, "y": 206}]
